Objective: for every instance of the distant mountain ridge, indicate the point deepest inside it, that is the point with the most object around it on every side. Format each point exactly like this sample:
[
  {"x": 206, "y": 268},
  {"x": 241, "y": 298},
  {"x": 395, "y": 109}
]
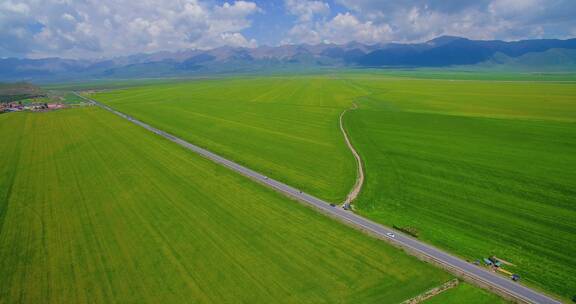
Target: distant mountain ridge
[
  {"x": 445, "y": 51},
  {"x": 450, "y": 51}
]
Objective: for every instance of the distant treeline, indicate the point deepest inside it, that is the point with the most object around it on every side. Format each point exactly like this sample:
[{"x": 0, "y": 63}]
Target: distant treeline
[{"x": 11, "y": 92}]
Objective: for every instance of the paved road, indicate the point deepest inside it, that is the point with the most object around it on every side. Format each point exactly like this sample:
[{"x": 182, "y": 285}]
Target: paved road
[{"x": 480, "y": 274}]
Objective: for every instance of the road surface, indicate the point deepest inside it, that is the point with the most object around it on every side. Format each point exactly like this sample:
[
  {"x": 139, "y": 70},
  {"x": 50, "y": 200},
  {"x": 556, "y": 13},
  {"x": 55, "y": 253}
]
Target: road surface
[{"x": 456, "y": 264}]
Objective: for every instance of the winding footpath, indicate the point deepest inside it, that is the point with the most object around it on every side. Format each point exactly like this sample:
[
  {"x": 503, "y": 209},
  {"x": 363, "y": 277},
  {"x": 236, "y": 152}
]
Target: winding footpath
[
  {"x": 360, "y": 174},
  {"x": 413, "y": 246}
]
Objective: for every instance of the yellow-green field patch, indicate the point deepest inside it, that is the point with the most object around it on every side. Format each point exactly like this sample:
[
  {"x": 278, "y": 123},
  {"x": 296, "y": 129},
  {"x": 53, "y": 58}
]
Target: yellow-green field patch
[{"x": 97, "y": 210}]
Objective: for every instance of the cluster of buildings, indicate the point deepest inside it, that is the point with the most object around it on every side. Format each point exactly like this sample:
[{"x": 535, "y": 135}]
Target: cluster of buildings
[{"x": 35, "y": 107}]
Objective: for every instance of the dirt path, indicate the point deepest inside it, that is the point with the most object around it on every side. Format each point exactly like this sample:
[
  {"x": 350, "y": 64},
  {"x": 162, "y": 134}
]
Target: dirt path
[
  {"x": 432, "y": 292},
  {"x": 360, "y": 175}
]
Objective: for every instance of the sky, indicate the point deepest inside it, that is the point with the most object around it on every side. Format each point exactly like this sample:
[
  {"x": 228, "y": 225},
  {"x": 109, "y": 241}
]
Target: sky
[{"x": 107, "y": 28}]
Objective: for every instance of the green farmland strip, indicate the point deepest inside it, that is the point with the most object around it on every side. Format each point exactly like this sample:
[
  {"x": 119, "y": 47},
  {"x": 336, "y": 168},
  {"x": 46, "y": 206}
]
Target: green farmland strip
[
  {"x": 494, "y": 99},
  {"x": 10, "y": 155},
  {"x": 477, "y": 169},
  {"x": 465, "y": 293},
  {"x": 102, "y": 211},
  {"x": 286, "y": 128}
]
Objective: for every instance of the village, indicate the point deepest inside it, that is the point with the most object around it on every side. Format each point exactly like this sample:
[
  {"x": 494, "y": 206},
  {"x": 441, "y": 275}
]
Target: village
[
  {"x": 33, "y": 107},
  {"x": 22, "y": 96}
]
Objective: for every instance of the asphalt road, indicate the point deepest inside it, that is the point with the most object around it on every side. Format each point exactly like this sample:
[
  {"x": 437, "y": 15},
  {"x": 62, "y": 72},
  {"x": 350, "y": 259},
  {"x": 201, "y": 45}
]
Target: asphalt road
[{"x": 461, "y": 266}]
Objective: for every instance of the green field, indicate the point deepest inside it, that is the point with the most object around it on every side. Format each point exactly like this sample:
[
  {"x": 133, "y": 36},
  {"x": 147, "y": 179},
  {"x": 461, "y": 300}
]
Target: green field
[
  {"x": 475, "y": 73},
  {"x": 478, "y": 167},
  {"x": 95, "y": 209},
  {"x": 465, "y": 294},
  {"x": 285, "y": 128}
]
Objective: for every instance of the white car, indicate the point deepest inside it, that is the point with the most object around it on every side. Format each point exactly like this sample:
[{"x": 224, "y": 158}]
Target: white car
[{"x": 390, "y": 234}]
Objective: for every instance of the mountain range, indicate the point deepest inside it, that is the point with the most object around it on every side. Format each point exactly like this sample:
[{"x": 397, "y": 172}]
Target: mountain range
[{"x": 445, "y": 51}]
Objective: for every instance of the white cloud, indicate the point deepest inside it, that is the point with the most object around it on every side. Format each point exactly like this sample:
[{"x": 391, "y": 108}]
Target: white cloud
[
  {"x": 506, "y": 6},
  {"x": 306, "y": 9},
  {"x": 117, "y": 27},
  {"x": 94, "y": 28},
  {"x": 19, "y": 8},
  {"x": 417, "y": 20},
  {"x": 341, "y": 29},
  {"x": 378, "y": 21},
  {"x": 237, "y": 40}
]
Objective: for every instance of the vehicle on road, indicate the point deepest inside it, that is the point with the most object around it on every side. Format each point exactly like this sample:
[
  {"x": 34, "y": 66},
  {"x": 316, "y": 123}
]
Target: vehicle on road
[
  {"x": 390, "y": 234},
  {"x": 333, "y": 205}
]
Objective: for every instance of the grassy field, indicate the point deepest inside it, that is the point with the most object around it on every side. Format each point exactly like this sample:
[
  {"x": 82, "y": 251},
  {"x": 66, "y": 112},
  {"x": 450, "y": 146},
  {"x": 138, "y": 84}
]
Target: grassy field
[
  {"x": 94, "y": 209},
  {"x": 465, "y": 293},
  {"x": 286, "y": 128},
  {"x": 461, "y": 73},
  {"x": 479, "y": 168}
]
